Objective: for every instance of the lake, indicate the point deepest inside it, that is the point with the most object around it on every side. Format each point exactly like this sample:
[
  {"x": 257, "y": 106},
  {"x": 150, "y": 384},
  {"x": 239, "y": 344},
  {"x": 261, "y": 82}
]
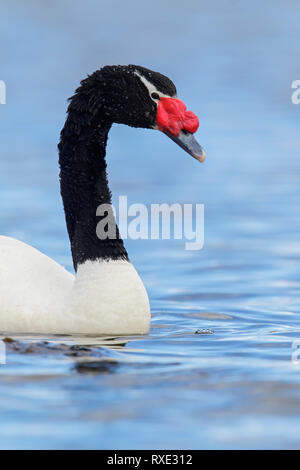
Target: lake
[{"x": 220, "y": 367}]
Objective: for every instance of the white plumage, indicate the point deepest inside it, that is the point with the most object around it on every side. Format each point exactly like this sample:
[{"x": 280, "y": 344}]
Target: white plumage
[{"x": 37, "y": 295}]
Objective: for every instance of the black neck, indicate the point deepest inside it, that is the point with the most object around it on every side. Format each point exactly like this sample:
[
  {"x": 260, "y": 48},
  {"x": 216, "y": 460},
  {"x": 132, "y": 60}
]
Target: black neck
[{"x": 84, "y": 183}]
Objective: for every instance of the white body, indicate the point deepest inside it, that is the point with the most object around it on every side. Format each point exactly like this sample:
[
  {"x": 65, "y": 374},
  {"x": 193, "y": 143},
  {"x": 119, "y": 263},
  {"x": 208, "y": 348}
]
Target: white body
[{"x": 37, "y": 295}]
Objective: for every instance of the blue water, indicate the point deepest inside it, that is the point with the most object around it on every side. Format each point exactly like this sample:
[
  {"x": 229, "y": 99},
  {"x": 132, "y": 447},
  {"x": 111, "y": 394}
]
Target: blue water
[{"x": 235, "y": 385}]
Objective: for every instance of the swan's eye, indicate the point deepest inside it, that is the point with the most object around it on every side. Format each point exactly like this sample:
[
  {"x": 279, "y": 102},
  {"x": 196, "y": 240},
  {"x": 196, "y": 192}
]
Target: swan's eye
[{"x": 155, "y": 96}]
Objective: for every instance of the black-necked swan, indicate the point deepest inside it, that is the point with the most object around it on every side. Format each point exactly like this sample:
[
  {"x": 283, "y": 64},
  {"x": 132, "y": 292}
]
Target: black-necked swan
[{"x": 106, "y": 296}]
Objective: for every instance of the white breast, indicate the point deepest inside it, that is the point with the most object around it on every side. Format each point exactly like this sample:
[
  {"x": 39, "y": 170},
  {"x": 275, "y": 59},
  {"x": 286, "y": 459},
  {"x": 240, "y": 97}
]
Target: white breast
[{"x": 112, "y": 296}]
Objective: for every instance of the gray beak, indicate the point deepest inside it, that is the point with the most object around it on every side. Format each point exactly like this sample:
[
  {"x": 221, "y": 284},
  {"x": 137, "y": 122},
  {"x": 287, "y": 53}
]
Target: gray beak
[{"x": 187, "y": 141}]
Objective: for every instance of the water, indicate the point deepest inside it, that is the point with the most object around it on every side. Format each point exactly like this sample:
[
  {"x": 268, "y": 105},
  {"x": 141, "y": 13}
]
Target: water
[{"x": 216, "y": 370}]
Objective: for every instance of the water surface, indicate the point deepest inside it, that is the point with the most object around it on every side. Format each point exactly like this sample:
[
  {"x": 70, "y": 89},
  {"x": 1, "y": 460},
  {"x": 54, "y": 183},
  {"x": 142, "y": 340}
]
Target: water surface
[{"x": 216, "y": 370}]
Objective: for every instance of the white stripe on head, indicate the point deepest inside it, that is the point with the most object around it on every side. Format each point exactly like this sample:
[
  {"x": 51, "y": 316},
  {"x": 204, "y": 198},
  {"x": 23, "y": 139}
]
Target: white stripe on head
[{"x": 152, "y": 88}]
